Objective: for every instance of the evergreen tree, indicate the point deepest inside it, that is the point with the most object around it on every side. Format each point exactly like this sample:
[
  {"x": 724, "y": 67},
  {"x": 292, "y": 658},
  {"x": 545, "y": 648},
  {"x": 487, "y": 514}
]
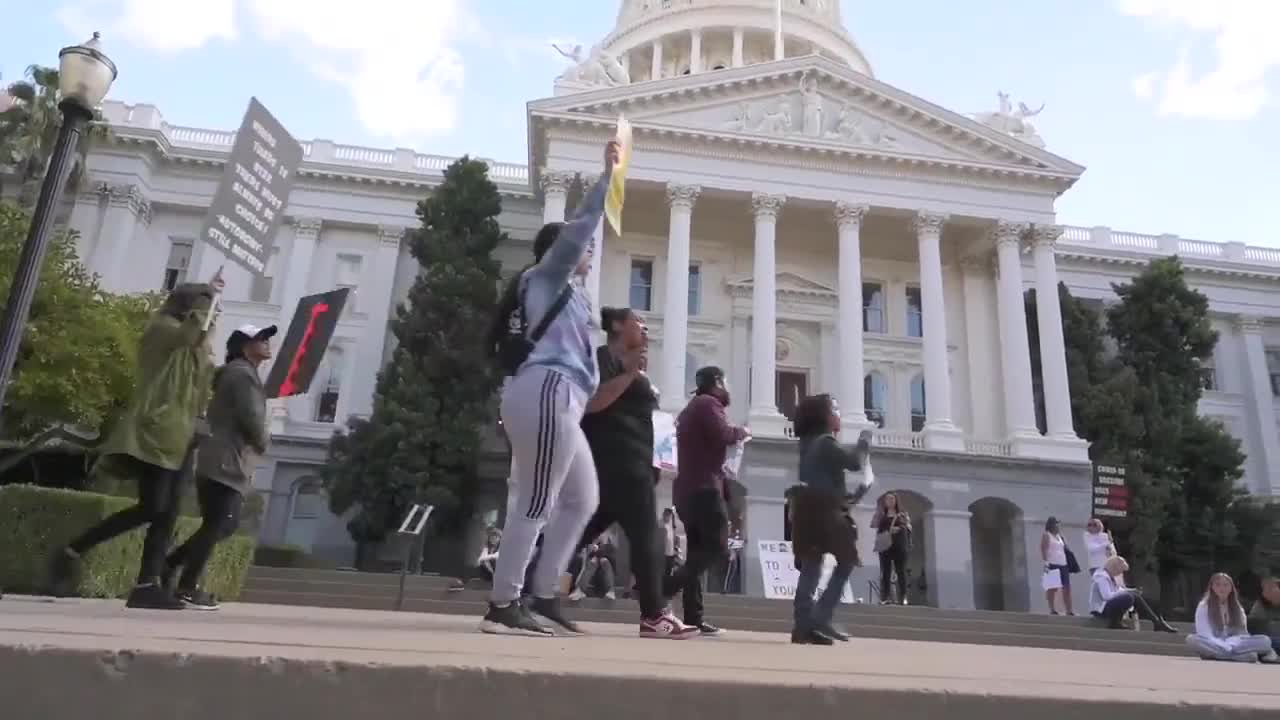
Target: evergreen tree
[{"x": 422, "y": 441}]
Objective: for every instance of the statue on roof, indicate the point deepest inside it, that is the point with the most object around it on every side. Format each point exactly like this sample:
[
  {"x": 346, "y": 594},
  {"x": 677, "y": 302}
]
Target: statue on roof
[
  {"x": 595, "y": 68},
  {"x": 1015, "y": 123}
]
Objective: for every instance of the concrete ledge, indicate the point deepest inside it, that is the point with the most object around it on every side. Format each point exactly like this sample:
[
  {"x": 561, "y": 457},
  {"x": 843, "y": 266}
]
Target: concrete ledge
[{"x": 94, "y": 659}]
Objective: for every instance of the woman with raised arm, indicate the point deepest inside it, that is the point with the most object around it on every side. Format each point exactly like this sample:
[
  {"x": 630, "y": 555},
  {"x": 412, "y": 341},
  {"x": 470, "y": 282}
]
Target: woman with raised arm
[{"x": 547, "y": 352}]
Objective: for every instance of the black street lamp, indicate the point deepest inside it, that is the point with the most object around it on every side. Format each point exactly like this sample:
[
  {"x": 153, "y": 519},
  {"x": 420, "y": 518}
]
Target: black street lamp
[{"x": 85, "y": 75}]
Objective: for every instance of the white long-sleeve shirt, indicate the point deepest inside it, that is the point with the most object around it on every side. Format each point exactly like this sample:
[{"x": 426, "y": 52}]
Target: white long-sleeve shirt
[
  {"x": 1103, "y": 589},
  {"x": 1227, "y": 640},
  {"x": 1098, "y": 547}
]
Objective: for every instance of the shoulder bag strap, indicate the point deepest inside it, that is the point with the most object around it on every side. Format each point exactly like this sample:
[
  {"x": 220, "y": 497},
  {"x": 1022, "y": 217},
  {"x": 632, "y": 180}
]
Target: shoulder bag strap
[{"x": 551, "y": 314}]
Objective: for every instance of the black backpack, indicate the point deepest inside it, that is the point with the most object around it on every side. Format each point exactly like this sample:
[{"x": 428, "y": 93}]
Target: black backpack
[{"x": 517, "y": 344}]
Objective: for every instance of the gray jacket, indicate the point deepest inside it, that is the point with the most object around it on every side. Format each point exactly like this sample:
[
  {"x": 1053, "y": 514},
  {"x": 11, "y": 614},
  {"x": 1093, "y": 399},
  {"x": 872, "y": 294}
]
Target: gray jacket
[{"x": 238, "y": 434}]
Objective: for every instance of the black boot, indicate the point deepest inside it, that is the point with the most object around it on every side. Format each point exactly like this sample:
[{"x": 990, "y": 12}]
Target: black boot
[{"x": 809, "y": 637}]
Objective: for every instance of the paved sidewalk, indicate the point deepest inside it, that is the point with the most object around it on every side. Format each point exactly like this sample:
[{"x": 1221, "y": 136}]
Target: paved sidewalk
[{"x": 73, "y": 658}]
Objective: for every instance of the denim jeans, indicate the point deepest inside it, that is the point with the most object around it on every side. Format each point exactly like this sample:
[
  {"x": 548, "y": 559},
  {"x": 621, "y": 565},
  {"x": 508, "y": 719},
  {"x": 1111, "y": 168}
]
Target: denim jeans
[{"x": 809, "y": 615}]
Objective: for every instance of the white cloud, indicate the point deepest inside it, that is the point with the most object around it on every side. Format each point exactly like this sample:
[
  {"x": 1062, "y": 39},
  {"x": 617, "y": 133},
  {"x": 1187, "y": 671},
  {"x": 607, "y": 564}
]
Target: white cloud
[
  {"x": 1245, "y": 48},
  {"x": 395, "y": 58}
]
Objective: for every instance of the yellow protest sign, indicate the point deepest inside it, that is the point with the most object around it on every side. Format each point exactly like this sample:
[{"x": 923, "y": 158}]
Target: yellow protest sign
[{"x": 617, "y": 182}]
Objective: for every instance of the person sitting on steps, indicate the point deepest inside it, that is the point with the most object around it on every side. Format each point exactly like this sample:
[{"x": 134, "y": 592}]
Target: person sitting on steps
[
  {"x": 1110, "y": 600},
  {"x": 1221, "y": 630}
]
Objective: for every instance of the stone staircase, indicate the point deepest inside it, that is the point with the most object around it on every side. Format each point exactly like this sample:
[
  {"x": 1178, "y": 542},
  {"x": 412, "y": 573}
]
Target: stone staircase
[{"x": 431, "y": 594}]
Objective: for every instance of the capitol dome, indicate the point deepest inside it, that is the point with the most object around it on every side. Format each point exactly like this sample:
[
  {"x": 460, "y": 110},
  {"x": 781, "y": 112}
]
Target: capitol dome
[{"x": 657, "y": 39}]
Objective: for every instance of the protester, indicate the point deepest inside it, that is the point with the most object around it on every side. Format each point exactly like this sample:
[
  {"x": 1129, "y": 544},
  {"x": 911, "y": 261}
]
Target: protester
[
  {"x": 1264, "y": 618},
  {"x": 821, "y": 517},
  {"x": 553, "y": 376},
  {"x": 1098, "y": 545},
  {"x": 225, "y": 459},
  {"x": 701, "y": 490},
  {"x": 1221, "y": 630},
  {"x": 893, "y": 542},
  {"x": 619, "y": 427},
  {"x": 153, "y": 441},
  {"x": 1110, "y": 600}
]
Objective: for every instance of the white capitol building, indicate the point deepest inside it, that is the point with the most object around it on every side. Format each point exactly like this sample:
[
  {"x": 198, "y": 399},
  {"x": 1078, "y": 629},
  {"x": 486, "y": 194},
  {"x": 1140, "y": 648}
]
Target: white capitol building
[{"x": 789, "y": 218}]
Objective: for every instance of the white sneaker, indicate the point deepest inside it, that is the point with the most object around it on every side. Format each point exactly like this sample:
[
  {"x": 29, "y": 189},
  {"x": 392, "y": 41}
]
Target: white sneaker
[
  {"x": 667, "y": 627},
  {"x": 577, "y": 596},
  {"x": 611, "y": 595}
]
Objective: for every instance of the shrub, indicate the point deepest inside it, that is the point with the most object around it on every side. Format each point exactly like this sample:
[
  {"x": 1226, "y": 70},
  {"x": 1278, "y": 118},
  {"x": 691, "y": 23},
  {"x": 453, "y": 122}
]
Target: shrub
[{"x": 37, "y": 521}]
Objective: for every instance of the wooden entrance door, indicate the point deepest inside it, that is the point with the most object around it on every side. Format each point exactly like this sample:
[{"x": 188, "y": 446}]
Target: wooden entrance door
[{"x": 792, "y": 386}]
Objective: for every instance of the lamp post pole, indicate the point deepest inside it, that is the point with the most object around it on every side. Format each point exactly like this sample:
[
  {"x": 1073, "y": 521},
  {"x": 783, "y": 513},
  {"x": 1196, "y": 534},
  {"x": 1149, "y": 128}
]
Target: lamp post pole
[{"x": 83, "y": 82}]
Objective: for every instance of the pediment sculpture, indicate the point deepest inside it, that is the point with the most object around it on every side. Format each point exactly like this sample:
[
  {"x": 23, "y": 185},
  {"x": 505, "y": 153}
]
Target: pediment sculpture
[
  {"x": 776, "y": 116},
  {"x": 594, "y": 68},
  {"x": 1015, "y": 123}
]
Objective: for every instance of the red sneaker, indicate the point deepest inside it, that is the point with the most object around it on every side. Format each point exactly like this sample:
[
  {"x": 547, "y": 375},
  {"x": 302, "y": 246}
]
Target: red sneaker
[{"x": 667, "y": 627}]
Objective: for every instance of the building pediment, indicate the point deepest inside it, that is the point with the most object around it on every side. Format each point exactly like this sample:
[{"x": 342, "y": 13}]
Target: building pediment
[
  {"x": 811, "y": 103},
  {"x": 786, "y": 283}
]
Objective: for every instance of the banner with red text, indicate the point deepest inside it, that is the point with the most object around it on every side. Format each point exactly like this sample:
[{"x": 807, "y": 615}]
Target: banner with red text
[{"x": 305, "y": 344}]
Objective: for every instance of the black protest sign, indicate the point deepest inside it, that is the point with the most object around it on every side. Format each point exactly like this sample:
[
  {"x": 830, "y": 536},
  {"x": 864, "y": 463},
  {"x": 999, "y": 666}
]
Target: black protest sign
[
  {"x": 248, "y": 205},
  {"x": 306, "y": 342},
  {"x": 1110, "y": 492}
]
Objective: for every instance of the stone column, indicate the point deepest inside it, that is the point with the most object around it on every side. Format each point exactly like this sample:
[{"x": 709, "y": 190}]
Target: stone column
[
  {"x": 675, "y": 315},
  {"x": 555, "y": 190},
  {"x": 656, "y": 71},
  {"x": 1261, "y": 406},
  {"x": 695, "y": 51},
  {"x": 737, "y": 48},
  {"x": 369, "y": 354},
  {"x": 1053, "y": 347},
  {"x": 125, "y": 206},
  {"x": 739, "y": 364},
  {"x": 977, "y": 324},
  {"x": 297, "y": 273},
  {"x": 940, "y": 432},
  {"x": 764, "y": 416},
  {"x": 1019, "y": 401},
  {"x": 950, "y": 558},
  {"x": 849, "y": 315}
]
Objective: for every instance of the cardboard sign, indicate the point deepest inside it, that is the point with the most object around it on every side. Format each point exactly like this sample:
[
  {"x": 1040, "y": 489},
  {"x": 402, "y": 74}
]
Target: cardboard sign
[
  {"x": 664, "y": 440},
  {"x": 778, "y": 570},
  {"x": 616, "y": 195},
  {"x": 306, "y": 342},
  {"x": 1110, "y": 492},
  {"x": 249, "y": 203}
]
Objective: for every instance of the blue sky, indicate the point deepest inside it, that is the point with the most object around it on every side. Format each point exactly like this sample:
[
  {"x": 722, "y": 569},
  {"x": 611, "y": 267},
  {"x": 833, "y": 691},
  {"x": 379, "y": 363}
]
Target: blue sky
[{"x": 1171, "y": 104}]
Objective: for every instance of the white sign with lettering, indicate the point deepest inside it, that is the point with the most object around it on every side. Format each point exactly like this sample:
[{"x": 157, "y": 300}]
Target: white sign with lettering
[{"x": 778, "y": 568}]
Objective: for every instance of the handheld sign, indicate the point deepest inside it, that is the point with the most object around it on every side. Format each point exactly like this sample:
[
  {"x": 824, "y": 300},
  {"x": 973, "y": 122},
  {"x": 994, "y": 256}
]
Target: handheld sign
[
  {"x": 306, "y": 342},
  {"x": 249, "y": 203},
  {"x": 618, "y": 180}
]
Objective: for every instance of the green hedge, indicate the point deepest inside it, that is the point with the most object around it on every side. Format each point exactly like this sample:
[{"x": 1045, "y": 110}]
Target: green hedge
[{"x": 34, "y": 521}]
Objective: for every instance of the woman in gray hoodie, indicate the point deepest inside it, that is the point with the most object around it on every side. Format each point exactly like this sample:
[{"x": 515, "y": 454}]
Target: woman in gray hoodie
[{"x": 225, "y": 459}]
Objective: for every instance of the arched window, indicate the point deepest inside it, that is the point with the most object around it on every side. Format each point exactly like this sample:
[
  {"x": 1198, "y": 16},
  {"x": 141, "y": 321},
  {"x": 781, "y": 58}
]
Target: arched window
[
  {"x": 875, "y": 398},
  {"x": 918, "y": 405},
  {"x": 308, "y": 500}
]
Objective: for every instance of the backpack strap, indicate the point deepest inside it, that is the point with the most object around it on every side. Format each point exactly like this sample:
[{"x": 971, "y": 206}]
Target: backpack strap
[{"x": 551, "y": 313}]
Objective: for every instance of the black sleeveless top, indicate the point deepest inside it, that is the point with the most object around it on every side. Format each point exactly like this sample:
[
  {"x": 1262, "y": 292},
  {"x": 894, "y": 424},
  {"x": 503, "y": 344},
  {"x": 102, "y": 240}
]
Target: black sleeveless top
[{"x": 621, "y": 435}]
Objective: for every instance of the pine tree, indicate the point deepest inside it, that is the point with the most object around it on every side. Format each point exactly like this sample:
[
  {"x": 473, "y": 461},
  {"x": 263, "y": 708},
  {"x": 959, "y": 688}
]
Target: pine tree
[{"x": 421, "y": 443}]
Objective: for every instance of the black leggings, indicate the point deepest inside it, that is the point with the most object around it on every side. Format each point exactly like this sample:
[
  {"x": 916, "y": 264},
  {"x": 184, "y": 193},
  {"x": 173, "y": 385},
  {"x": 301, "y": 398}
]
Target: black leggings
[
  {"x": 159, "y": 494},
  {"x": 628, "y": 499},
  {"x": 893, "y": 560},
  {"x": 220, "y": 513}
]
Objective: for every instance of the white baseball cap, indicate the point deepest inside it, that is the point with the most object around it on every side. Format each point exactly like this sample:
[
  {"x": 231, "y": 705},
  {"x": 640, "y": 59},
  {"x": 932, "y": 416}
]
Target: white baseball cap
[{"x": 253, "y": 332}]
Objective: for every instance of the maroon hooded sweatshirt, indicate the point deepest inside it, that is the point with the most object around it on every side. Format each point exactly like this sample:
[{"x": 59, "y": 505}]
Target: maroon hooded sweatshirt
[{"x": 703, "y": 438}]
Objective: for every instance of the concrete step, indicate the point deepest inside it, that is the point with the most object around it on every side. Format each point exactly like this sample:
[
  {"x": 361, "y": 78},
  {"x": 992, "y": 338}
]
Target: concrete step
[{"x": 431, "y": 594}]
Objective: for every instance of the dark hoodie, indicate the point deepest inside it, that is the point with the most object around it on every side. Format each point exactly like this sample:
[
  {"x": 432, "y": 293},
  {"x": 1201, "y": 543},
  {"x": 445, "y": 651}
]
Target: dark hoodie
[{"x": 237, "y": 427}]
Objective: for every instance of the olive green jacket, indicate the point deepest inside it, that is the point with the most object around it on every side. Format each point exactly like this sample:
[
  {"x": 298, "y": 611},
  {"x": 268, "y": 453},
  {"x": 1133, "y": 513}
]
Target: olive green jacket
[
  {"x": 237, "y": 427},
  {"x": 174, "y": 370}
]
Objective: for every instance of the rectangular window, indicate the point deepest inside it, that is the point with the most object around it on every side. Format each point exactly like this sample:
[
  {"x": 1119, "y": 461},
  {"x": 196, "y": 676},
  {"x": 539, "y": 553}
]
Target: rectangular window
[
  {"x": 175, "y": 269},
  {"x": 1209, "y": 378},
  {"x": 347, "y": 275},
  {"x": 695, "y": 290},
  {"x": 327, "y": 403},
  {"x": 873, "y": 307},
  {"x": 1273, "y": 370},
  {"x": 263, "y": 284},
  {"x": 641, "y": 296},
  {"x": 915, "y": 318}
]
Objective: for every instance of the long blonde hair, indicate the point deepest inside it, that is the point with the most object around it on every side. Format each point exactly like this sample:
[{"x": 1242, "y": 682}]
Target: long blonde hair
[{"x": 1234, "y": 610}]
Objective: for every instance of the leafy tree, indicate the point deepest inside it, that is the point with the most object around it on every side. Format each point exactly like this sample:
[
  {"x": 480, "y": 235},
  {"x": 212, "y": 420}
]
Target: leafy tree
[
  {"x": 77, "y": 358},
  {"x": 29, "y": 128},
  {"x": 421, "y": 443}
]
